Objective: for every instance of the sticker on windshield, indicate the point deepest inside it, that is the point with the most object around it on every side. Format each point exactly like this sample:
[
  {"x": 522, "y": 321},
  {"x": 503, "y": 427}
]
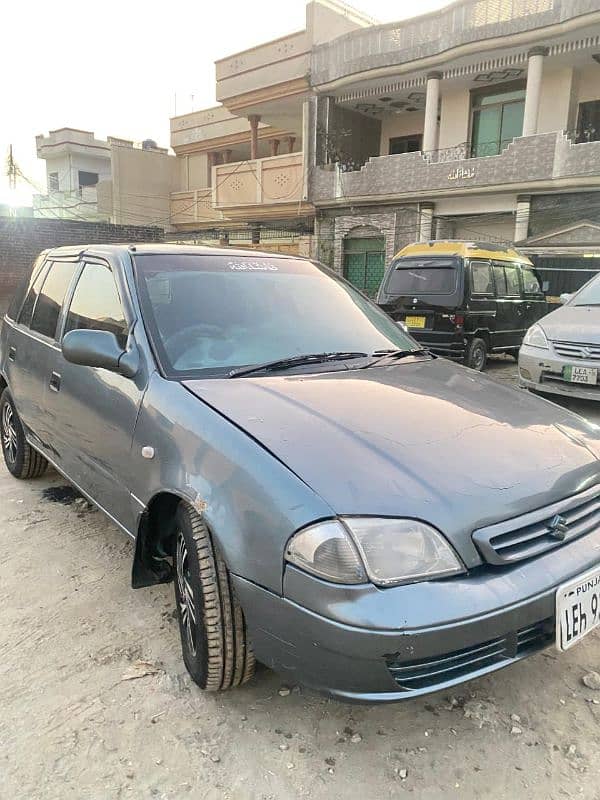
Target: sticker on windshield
[{"x": 252, "y": 266}]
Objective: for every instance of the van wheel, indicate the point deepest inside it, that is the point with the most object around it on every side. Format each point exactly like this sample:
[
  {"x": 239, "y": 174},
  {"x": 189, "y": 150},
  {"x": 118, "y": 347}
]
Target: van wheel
[
  {"x": 214, "y": 639},
  {"x": 20, "y": 458},
  {"x": 477, "y": 354}
]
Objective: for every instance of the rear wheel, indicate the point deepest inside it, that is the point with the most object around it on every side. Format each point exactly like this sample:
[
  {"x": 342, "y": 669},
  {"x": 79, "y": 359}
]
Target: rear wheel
[
  {"x": 20, "y": 458},
  {"x": 214, "y": 640},
  {"x": 477, "y": 353}
]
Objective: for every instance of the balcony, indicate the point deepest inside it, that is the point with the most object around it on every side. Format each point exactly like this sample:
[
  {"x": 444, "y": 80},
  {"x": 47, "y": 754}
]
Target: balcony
[
  {"x": 193, "y": 207},
  {"x": 266, "y": 183},
  {"x": 464, "y": 23},
  {"x": 525, "y": 162}
]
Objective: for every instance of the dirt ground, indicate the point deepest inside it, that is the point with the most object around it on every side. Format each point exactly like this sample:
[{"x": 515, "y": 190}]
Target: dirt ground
[{"x": 95, "y": 701}]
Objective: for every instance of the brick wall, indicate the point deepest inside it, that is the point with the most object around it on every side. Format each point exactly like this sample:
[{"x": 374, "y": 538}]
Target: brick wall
[{"x": 22, "y": 239}]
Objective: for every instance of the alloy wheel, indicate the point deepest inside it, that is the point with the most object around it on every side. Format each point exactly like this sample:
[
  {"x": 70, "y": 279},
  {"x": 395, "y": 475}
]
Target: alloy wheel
[
  {"x": 187, "y": 610},
  {"x": 9, "y": 433}
]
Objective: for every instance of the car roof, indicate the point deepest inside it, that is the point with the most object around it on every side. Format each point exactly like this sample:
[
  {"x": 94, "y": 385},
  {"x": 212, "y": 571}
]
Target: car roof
[
  {"x": 464, "y": 248},
  {"x": 158, "y": 248}
]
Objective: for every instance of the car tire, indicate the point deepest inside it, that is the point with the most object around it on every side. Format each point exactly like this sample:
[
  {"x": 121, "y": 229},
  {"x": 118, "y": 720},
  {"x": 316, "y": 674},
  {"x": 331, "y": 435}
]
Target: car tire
[
  {"x": 477, "y": 354},
  {"x": 20, "y": 458},
  {"x": 214, "y": 639}
]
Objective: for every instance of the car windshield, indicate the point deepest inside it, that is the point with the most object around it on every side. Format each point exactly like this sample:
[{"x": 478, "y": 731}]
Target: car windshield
[
  {"x": 209, "y": 314},
  {"x": 423, "y": 275},
  {"x": 589, "y": 295}
]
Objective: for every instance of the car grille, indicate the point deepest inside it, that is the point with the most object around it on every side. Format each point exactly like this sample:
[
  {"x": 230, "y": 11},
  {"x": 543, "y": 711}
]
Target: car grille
[
  {"x": 577, "y": 351},
  {"x": 533, "y": 534},
  {"x": 469, "y": 662}
]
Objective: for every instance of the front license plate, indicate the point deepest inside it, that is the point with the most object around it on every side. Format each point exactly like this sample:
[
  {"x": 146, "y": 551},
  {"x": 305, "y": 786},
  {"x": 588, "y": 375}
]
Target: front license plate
[
  {"x": 581, "y": 374},
  {"x": 577, "y": 609},
  {"x": 415, "y": 322}
]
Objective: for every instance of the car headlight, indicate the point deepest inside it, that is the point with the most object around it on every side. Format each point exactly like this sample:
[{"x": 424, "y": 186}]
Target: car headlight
[
  {"x": 384, "y": 551},
  {"x": 535, "y": 337}
]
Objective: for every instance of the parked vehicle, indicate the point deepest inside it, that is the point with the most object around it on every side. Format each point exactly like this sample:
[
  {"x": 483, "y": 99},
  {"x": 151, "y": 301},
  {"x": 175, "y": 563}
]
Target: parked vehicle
[
  {"x": 561, "y": 353},
  {"x": 329, "y": 498},
  {"x": 463, "y": 300}
]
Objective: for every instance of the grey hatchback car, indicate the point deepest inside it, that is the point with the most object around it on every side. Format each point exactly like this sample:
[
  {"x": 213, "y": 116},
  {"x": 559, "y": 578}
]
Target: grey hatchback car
[{"x": 327, "y": 497}]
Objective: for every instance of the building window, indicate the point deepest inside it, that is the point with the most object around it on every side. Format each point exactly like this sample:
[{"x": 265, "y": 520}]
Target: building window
[
  {"x": 588, "y": 122},
  {"x": 496, "y": 118},
  {"x": 405, "y": 144},
  {"x": 364, "y": 263},
  {"x": 52, "y": 182},
  {"x": 87, "y": 178}
]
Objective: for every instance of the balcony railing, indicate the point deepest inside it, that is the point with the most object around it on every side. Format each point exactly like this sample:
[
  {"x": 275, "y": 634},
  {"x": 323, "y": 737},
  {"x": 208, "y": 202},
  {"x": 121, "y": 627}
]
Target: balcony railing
[
  {"x": 193, "y": 207},
  {"x": 265, "y": 181}
]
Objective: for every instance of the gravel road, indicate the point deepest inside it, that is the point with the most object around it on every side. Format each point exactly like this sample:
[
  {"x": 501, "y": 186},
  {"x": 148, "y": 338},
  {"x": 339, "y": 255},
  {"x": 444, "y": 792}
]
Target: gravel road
[{"x": 95, "y": 702}]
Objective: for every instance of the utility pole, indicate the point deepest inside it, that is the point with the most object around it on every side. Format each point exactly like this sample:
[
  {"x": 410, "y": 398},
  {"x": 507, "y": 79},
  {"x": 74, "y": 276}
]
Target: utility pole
[{"x": 11, "y": 169}]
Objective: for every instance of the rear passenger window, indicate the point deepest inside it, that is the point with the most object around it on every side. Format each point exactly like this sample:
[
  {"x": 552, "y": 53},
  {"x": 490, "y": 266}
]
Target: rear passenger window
[
  {"x": 96, "y": 304},
  {"x": 47, "y": 308},
  {"x": 513, "y": 285},
  {"x": 481, "y": 278},
  {"x": 33, "y": 291},
  {"x": 500, "y": 280}
]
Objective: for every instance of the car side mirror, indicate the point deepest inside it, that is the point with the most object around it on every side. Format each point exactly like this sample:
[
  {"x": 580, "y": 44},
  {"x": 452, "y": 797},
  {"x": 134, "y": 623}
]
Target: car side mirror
[
  {"x": 100, "y": 349},
  {"x": 565, "y": 297}
]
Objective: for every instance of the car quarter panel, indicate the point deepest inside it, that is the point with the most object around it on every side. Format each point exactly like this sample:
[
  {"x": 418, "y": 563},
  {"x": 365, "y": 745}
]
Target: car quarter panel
[{"x": 250, "y": 500}]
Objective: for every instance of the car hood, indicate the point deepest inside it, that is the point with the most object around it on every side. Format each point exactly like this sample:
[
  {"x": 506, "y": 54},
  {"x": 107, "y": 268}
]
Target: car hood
[
  {"x": 425, "y": 439},
  {"x": 573, "y": 324}
]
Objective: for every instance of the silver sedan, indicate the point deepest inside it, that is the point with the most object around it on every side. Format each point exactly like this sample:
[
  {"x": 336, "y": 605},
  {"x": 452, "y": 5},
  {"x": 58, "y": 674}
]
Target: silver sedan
[{"x": 561, "y": 353}]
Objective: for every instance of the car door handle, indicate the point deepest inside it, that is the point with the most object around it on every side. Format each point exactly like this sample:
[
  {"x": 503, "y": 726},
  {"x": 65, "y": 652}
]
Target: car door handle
[
  {"x": 55, "y": 382},
  {"x": 12, "y": 353}
]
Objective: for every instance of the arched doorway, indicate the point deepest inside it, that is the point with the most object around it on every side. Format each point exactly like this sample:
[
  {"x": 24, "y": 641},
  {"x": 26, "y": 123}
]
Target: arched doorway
[{"x": 364, "y": 258}]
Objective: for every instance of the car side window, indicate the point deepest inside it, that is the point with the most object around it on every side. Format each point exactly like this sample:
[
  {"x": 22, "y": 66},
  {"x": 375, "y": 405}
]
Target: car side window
[
  {"x": 52, "y": 295},
  {"x": 96, "y": 304},
  {"x": 531, "y": 284},
  {"x": 513, "y": 284},
  {"x": 500, "y": 280},
  {"x": 32, "y": 292},
  {"x": 481, "y": 278}
]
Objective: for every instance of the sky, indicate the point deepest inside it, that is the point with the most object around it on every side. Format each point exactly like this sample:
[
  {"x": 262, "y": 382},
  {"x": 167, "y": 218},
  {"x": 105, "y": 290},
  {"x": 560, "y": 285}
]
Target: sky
[{"x": 123, "y": 67}]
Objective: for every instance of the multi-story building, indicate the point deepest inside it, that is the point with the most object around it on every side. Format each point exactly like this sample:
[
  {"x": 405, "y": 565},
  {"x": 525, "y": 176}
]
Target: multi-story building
[
  {"x": 479, "y": 121},
  {"x": 113, "y": 180}
]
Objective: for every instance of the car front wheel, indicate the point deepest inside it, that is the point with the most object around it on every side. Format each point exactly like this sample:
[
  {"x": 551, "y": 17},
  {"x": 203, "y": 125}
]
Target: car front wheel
[
  {"x": 20, "y": 458},
  {"x": 214, "y": 640}
]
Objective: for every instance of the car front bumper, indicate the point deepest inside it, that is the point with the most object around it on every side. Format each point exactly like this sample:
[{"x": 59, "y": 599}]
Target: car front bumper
[
  {"x": 542, "y": 371},
  {"x": 364, "y": 644}
]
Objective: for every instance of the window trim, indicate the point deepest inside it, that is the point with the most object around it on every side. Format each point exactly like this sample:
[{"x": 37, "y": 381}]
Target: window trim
[
  {"x": 481, "y": 295},
  {"x": 36, "y": 271},
  {"x": 83, "y": 262}
]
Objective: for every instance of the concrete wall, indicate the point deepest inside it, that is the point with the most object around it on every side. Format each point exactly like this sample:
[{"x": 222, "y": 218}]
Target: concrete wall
[
  {"x": 455, "y": 117},
  {"x": 21, "y": 240},
  {"x": 327, "y": 19},
  {"x": 555, "y": 100},
  {"x": 588, "y": 83},
  {"x": 551, "y": 211},
  {"x": 405, "y": 124},
  {"x": 142, "y": 181},
  {"x": 68, "y": 167}
]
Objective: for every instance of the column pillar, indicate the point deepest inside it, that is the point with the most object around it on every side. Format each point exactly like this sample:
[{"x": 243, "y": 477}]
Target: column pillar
[
  {"x": 227, "y": 156},
  {"x": 535, "y": 66},
  {"x": 432, "y": 101},
  {"x": 253, "y": 119},
  {"x": 522, "y": 217},
  {"x": 426, "y": 221},
  {"x": 274, "y": 146},
  {"x": 290, "y": 142}
]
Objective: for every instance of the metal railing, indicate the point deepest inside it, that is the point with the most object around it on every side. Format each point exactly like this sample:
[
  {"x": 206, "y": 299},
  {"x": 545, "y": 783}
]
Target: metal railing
[{"x": 583, "y": 135}]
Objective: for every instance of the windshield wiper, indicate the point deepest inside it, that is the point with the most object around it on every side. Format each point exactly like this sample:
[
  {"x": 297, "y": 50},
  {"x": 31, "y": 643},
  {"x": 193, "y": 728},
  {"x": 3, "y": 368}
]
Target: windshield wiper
[
  {"x": 294, "y": 361},
  {"x": 397, "y": 355}
]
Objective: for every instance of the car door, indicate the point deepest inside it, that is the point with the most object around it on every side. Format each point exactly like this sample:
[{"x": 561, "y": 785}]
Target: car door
[
  {"x": 37, "y": 349},
  {"x": 95, "y": 409},
  {"x": 536, "y": 305},
  {"x": 509, "y": 306},
  {"x": 481, "y": 313}
]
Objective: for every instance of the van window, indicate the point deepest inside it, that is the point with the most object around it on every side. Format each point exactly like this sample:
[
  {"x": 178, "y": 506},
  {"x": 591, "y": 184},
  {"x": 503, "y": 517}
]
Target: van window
[
  {"x": 47, "y": 309},
  {"x": 513, "y": 285},
  {"x": 36, "y": 279},
  {"x": 96, "y": 304},
  {"x": 481, "y": 278},
  {"x": 531, "y": 284},
  {"x": 500, "y": 280},
  {"x": 423, "y": 275}
]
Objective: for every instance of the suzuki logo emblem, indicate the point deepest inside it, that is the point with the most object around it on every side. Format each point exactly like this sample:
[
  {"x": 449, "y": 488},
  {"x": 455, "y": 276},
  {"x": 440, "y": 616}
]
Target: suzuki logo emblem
[{"x": 558, "y": 527}]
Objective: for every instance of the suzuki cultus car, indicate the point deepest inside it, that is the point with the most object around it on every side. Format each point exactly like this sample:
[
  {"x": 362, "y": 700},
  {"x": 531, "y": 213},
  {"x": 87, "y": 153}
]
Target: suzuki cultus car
[{"x": 326, "y": 496}]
